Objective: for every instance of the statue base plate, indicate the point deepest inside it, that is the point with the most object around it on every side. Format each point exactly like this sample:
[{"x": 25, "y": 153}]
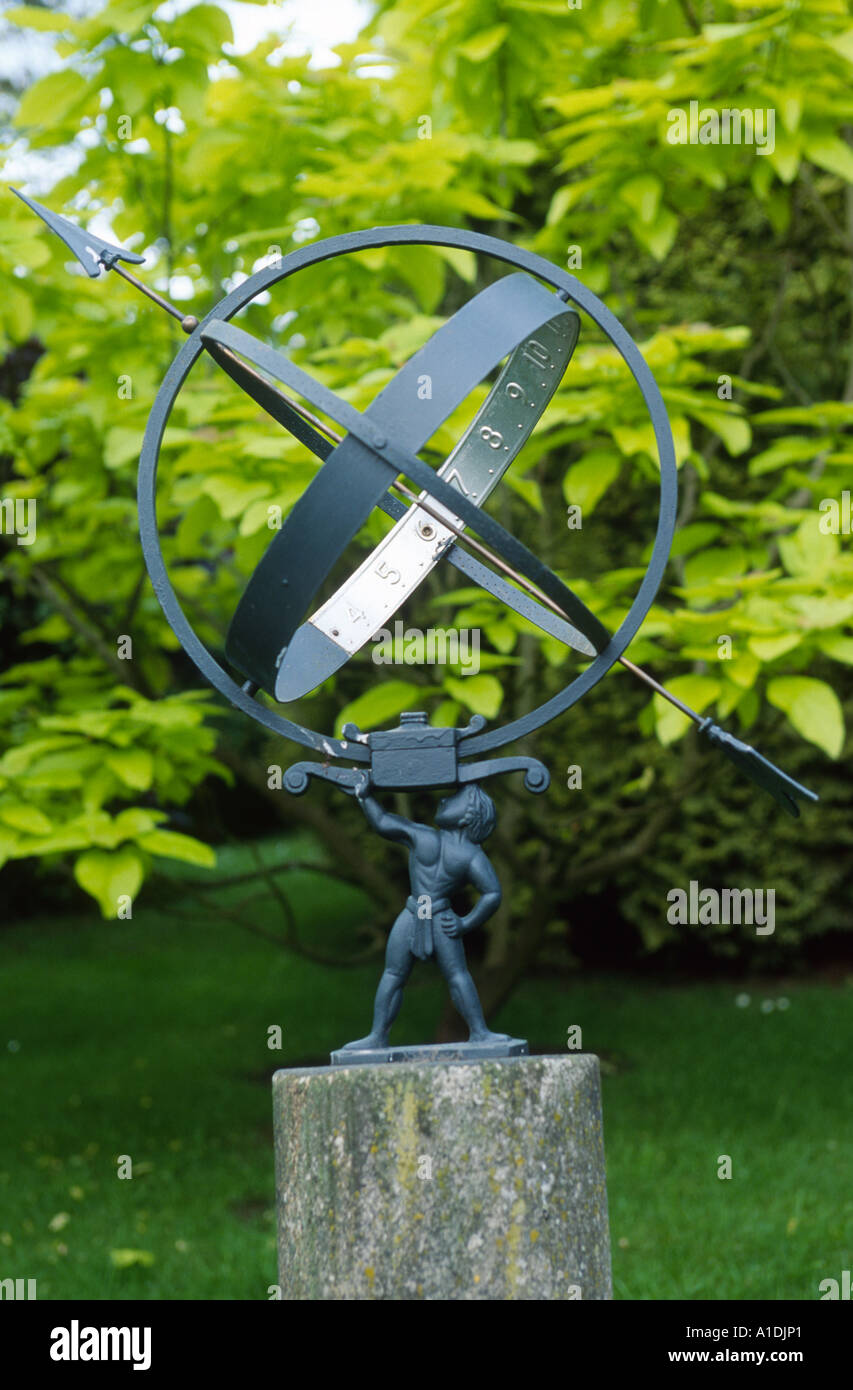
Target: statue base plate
[{"x": 430, "y": 1052}]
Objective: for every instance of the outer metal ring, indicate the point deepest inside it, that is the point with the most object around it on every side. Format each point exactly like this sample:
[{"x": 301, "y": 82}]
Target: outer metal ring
[{"x": 342, "y": 245}]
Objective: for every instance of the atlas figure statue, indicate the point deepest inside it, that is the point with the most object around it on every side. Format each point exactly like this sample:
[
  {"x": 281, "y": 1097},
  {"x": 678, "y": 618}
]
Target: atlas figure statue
[{"x": 442, "y": 862}]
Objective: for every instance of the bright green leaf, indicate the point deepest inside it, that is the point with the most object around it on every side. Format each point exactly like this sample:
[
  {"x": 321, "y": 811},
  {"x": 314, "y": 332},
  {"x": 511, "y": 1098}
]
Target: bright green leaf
[
  {"x": 481, "y": 694},
  {"x": 27, "y": 818},
  {"x": 643, "y": 194},
  {"x": 770, "y": 648},
  {"x": 791, "y": 449},
  {"x": 109, "y": 876},
  {"x": 34, "y": 17},
  {"x": 484, "y": 44},
  {"x": 585, "y": 482},
  {"x": 171, "y": 845},
  {"x": 813, "y": 708},
  {"x": 51, "y": 98},
  {"x": 134, "y": 766},
  {"x": 720, "y": 562},
  {"x": 832, "y": 153},
  {"x": 838, "y": 647}
]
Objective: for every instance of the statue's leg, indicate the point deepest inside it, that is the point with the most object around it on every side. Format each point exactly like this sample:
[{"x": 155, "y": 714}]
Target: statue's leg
[
  {"x": 389, "y": 995},
  {"x": 450, "y": 954}
]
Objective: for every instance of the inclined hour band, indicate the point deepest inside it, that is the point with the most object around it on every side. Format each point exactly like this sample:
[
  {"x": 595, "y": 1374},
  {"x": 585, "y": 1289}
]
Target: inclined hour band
[{"x": 394, "y": 569}]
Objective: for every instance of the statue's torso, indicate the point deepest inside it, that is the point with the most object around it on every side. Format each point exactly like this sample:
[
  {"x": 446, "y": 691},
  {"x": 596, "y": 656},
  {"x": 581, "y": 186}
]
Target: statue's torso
[{"x": 441, "y": 868}]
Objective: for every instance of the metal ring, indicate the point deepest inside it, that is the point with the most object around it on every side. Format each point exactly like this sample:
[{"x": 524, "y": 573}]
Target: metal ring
[{"x": 345, "y": 244}]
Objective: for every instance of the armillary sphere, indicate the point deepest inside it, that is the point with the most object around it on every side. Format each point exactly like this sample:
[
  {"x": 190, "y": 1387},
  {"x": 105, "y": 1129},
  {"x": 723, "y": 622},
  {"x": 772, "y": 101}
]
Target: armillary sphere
[
  {"x": 528, "y": 317},
  {"x": 515, "y": 315}
]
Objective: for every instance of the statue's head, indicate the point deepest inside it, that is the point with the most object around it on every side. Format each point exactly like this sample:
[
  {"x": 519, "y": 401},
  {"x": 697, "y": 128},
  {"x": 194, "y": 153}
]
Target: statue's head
[{"x": 469, "y": 807}]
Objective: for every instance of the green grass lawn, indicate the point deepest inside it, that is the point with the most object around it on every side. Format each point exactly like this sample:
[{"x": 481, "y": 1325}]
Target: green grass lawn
[{"x": 148, "y": 1038}]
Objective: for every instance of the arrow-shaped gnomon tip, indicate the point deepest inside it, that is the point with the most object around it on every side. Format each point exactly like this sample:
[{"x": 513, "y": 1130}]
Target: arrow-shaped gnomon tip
[
  {"x": 758, "y": 768},
  {"x": 92, "y": 251}
]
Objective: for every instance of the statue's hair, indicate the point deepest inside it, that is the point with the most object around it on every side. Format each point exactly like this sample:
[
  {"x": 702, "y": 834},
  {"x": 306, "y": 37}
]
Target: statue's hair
[{"x": 480, "y": 815}]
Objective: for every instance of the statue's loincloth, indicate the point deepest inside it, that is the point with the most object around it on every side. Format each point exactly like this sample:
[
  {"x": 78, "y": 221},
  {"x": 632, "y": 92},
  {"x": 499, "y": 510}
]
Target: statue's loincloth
[{"x": 422, "y": 942}]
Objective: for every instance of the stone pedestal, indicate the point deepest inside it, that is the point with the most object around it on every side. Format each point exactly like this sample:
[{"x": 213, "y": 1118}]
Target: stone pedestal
[{"x": 455, "y": 1180}]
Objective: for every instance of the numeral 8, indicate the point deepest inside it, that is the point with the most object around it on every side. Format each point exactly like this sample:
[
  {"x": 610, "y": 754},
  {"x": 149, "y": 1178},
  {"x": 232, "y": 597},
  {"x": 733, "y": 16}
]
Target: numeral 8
[{"x": 492, "y": 437}]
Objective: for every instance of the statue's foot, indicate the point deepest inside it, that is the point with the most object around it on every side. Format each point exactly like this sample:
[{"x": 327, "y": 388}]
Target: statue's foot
[
  {"x": 373, "y": 1040},
  {"x": 486, "y": 1037}
]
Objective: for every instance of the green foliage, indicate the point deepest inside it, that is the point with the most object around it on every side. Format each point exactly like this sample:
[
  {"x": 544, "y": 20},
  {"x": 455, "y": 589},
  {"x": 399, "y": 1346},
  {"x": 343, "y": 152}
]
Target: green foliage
[
  {"x": 80, "y": 747},
  {"x": 548, "y": 126}
]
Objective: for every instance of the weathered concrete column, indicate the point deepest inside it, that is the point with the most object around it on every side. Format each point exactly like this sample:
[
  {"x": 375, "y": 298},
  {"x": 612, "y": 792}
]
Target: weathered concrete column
[{"x": 458, "y": 1180}]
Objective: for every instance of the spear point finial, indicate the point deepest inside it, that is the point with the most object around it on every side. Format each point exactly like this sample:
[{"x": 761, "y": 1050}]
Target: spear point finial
[{"x": 93, "y": 253}]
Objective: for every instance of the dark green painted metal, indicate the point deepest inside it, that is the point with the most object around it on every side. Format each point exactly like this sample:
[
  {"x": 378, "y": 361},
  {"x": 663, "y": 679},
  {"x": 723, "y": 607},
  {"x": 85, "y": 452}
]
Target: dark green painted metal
[{"x": 758, "y": 769}]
